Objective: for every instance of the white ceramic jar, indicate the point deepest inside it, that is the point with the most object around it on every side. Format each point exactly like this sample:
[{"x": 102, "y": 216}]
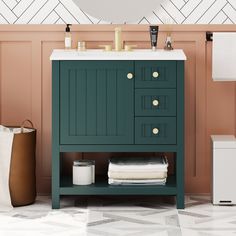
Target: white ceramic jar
[{"x": 83, "y": 172}]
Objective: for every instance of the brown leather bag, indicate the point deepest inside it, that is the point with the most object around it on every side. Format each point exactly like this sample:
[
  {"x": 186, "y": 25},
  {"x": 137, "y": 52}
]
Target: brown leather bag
[{"x": 22, "y": 179}]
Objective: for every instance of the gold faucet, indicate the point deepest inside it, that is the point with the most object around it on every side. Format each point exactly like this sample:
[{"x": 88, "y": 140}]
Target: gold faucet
[{"x": 118, "y": 40}]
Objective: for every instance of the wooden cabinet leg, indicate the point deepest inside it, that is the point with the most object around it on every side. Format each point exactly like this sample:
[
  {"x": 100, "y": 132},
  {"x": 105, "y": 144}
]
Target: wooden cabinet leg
[
  {"x": 180, "y": 179},
  {"x": 180, "y": 201},
  {"x": 55, "y": 178},
  {"x": 55, "y": 201}
]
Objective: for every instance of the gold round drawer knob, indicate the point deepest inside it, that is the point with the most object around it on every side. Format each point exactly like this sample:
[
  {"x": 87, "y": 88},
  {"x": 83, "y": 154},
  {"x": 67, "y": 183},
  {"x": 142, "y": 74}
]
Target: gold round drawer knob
[
  {"x": 155, "y": 74},
  {"x": 155, "y": 131},
  {"x": 155, "y": 103},
  {"x": 130, "y": 76}
]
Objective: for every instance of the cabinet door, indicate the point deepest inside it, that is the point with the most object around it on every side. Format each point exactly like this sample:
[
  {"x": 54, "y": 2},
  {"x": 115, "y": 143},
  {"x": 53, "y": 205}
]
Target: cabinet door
[{"x": 96, "y": 102}]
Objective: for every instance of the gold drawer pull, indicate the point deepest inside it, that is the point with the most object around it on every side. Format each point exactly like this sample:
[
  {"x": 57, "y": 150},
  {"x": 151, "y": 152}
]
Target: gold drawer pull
[
  {"x": 155, "y": 103},
  {"x": 130, "y": 76},
  {"x": 155, "y": 131},
  {"x": 155, "y": 74}
]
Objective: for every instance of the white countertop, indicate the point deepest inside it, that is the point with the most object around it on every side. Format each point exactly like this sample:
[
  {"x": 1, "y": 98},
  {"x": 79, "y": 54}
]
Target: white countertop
[{"x": 98, "y": 54}]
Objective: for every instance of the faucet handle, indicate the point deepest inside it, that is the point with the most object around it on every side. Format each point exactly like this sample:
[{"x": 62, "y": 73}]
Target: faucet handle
[
  {"x": 130, "y": 47},
  {"x": 106, "y": 47}
]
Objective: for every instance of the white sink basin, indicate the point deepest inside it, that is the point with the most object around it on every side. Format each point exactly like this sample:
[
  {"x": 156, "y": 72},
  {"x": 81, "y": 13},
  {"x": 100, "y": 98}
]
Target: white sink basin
[{"x": 98, "y": 54}]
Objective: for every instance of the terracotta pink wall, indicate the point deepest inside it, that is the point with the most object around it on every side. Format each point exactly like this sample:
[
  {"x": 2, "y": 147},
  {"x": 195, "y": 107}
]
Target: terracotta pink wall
[{"x": 25, "y": 89}]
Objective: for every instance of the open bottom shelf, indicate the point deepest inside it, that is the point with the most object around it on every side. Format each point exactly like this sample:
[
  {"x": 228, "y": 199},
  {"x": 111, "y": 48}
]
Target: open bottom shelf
[{"x": 101, "y": 187}]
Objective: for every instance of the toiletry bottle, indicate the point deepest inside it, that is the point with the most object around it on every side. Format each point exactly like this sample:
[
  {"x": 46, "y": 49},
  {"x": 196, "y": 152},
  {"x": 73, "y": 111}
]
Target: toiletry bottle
[
  {"x": 154, "y": 36},
  {"x": 168, "y": 43},
  {"x": 68, "y": 37}
]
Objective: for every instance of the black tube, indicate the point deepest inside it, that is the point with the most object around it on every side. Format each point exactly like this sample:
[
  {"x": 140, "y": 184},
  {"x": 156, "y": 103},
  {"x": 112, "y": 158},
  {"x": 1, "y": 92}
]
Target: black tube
[{"x": 154, "y": 35}]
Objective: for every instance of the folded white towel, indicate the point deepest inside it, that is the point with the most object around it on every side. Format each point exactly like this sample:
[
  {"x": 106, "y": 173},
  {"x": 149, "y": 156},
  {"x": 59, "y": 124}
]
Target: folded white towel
[
  {"x": 137, "y": 181},
  {"x": 138, "y": 160},
  {"x": 141, "y": 169},
  {"x": 137, "y": 175},
  {"x": 142, "y": 164}
]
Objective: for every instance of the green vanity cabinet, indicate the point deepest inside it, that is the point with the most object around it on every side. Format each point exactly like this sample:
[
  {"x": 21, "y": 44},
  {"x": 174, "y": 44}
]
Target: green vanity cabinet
[{"x": 119, "y": 105}]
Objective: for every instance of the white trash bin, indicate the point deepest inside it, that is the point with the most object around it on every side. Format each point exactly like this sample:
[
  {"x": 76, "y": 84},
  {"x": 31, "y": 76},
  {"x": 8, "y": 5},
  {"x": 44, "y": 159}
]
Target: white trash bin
[{"x": 223, "y": 169}]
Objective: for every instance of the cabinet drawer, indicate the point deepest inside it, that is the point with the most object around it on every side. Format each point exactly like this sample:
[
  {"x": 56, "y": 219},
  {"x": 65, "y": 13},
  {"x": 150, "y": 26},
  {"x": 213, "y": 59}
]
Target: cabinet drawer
[
  {"x": 155, "y": 102},
  {"x": 155, "y": 74},
  {"x": 155, "y": 130}
]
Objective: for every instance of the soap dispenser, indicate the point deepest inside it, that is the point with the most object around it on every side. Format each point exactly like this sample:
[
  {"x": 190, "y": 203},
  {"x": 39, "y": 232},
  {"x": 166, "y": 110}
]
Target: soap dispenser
[{"x": 68, "y": 37}]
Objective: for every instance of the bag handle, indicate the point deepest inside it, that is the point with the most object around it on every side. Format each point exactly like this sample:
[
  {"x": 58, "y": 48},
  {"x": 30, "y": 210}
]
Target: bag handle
[{"x": 23, "y": 124}]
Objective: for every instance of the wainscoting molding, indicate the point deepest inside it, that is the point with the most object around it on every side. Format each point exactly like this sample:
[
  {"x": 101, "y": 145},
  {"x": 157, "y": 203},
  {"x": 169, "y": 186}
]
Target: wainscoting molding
[{"x": 25, "y": 89}]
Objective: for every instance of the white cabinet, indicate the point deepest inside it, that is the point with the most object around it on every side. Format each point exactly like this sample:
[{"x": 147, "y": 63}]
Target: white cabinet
[{"x": 223, "y": 169}]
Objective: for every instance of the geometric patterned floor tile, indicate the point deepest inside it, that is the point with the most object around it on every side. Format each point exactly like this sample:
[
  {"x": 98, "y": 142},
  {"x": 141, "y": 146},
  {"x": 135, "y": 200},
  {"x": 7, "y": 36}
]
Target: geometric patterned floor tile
[{"x": 119, "y": 216}]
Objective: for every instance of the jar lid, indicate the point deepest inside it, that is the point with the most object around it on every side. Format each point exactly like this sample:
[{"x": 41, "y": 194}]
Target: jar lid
[{"x": 84, "y": 163}]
